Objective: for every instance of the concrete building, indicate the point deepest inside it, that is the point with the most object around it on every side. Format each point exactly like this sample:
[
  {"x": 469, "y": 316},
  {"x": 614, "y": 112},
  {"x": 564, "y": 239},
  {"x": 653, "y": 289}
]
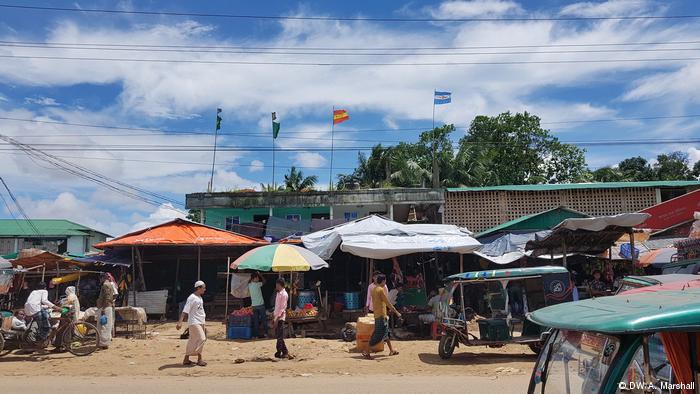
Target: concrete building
[
  {"x": 53, "y": 235},
  {"x": 228, "y": 209},
  {"x": 481, "y": 208}
]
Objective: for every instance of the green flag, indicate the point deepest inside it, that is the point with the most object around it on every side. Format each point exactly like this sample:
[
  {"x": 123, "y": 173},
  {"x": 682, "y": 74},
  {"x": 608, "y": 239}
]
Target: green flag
[
  {"x": 218, "y": 119},
  {"x": 275, "y": 125}
]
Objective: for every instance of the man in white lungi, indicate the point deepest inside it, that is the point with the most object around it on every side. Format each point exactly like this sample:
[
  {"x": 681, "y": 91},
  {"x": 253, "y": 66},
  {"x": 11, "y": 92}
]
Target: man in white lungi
[
  {"x": 105, "y": 305},
  {"x": 194, "y": 310}
]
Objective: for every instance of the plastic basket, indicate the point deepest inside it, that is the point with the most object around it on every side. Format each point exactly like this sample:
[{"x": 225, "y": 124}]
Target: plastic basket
[
  {"x": 239, "y": 333},
  {"x": 240, "y": 321}
]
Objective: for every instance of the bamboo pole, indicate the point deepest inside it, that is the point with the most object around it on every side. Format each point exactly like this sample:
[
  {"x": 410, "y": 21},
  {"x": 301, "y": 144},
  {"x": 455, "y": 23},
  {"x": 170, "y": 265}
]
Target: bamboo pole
[{"x": 228, "y": 285}]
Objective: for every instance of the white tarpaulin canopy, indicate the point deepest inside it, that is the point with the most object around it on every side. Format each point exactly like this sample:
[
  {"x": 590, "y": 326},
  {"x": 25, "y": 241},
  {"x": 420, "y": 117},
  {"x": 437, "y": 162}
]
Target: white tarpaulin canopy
[{"x": 378, "y": 238}]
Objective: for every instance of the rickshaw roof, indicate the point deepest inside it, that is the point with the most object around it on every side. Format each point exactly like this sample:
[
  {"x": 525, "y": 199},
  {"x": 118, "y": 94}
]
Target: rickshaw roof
[
  {"x": 650, "y": 280},
  {"x": 511, "y": 273},
  {"x": 665, "y": 310}
]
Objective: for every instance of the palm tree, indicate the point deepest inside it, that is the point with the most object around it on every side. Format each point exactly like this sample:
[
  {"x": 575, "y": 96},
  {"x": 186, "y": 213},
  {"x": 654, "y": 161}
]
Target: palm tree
[
  {"x": 295, "y": 180},
  {"x": 269, "y": 188}
]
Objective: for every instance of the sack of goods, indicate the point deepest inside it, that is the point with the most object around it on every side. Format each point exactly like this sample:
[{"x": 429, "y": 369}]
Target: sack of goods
[{"x": 241, "y": 318}]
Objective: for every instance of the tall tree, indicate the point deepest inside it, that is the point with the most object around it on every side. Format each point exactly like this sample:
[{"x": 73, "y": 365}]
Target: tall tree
[
  {"x": 607, "y": 174},
  {"x": 673, "y": 166},
  {"x": 636, "y": 169},
  {"x": 515, "y": 149},
  {"x": 295, "y": 180},
  {"x": 696, "y": 170}
]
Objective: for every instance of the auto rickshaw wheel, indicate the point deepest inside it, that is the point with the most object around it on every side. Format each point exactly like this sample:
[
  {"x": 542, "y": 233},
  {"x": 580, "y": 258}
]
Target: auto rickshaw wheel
[
  {"x": 447, "y": 345},
  {"x": 536, "y": 347}
]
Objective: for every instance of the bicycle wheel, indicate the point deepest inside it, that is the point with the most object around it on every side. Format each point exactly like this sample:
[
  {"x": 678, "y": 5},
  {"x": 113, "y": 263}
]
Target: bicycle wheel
[{"x": 81, "y": 338}]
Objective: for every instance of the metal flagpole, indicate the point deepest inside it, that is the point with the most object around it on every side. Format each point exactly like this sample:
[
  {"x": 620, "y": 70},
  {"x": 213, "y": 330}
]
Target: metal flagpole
[
  {"x": 274, "y": 187},
  {"x": 434, "y": 177},
  {"x": 213, "y": 160},
  {"x": 330, "y": 173}
]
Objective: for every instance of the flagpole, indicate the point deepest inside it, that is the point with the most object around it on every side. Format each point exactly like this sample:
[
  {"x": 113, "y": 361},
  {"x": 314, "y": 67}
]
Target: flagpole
[
  {"x": 213, "y": 160},
  {"x": 274, "y": 187},
  {"x": 330, "y": 173},
  {"x": 434, "y": 177}
]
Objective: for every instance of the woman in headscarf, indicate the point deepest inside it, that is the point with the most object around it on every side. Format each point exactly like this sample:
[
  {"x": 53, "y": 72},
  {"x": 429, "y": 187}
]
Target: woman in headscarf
[
  {"x": 71, "y": 301},
  {"x": 105, "y": 305}
]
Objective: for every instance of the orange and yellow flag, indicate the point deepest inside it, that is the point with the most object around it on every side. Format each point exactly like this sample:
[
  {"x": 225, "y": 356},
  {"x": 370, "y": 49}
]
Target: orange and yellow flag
[{"x": 340, "y": 116}]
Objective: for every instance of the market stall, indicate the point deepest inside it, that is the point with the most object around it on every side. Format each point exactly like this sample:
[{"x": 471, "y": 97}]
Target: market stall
[{"x": 286, "y": 259}]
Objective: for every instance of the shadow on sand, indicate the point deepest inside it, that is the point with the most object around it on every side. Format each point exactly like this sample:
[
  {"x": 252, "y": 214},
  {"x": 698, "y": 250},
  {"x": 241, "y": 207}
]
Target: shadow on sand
[{"x": 468, "y": 358}]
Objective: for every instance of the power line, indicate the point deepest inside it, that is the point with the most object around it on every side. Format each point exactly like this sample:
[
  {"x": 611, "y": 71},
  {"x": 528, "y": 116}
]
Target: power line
[
  {"x": 343, "y": 19},
  {"x": 344, "y": 48},
  {"x": 328, "y": 53},
  {"x": 348, "y": 64},
  {"x": 19, "y": 207}
]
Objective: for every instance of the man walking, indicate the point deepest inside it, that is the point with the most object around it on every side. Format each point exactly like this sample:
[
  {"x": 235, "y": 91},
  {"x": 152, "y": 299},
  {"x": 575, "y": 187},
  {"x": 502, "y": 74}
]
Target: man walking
[
  {"x": 279, "y": 317},
  {"x": 194, "y": 310},
  {"x": 380, "y": 303},
  {"x": 368, "y": 304},
  {"x": 105, "y": 305}
]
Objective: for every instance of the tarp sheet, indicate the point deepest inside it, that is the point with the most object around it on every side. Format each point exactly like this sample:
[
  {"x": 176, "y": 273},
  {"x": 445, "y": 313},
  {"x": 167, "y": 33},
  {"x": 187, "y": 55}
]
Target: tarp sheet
[
  {"x": 378, "y": 238},
  {"x": 181, "y": 232}
]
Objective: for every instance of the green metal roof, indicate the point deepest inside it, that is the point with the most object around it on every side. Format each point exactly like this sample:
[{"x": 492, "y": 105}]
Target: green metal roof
[
  {"x": 544, "y": 220},
  {"x": 507, "y": 273},
  {"x": 568, "y": 186},
  {"x": 634, "y": 313},
  {"x": 46, "y": 227}
]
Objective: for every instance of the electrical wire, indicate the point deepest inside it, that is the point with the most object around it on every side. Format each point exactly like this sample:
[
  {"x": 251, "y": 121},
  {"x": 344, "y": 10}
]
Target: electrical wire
[
  {"x": 350, "y": 64},
  {"x": 344, "y": 48},
  {"x": 343, "y": 19},
  {"x": 19, "y": 207}
]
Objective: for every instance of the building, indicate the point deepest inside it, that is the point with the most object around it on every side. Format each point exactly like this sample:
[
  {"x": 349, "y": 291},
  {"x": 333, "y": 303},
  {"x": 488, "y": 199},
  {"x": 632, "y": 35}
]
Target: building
[
  {"x": 52, "y": 235},
  {"x": 481, "y": 208},
  {"x": 227, "y": 210}
]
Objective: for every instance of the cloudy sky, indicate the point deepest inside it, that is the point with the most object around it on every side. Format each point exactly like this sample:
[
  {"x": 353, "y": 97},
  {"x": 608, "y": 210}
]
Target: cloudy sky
[{"x": 148, "y": 122}]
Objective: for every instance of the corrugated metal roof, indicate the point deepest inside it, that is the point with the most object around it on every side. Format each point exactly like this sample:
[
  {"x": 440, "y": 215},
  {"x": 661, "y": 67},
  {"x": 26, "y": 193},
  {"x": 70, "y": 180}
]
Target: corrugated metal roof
[
  {"x": 567, "y": 186},
  {"x": 46, "y": 227},
  {"x": 544, "y": 220}
]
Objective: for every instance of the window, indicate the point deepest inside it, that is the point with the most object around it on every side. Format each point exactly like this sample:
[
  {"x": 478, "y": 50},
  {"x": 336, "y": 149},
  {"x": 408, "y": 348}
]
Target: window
[
  {"x": 295, "y": 217},
  {"x": 350, "y": 216},
  {"x": 232, "y": 221},
  {"x": 633, "y": 381}
]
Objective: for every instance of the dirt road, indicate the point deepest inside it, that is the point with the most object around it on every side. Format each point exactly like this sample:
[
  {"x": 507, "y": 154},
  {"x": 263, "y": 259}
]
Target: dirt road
[{"x": 156, "y": 362}]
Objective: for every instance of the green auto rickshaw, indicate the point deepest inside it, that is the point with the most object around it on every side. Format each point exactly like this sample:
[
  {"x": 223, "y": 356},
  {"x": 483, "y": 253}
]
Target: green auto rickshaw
[
  {"x": 642, "y": 342},
  {"x": 510, "y": 294}
]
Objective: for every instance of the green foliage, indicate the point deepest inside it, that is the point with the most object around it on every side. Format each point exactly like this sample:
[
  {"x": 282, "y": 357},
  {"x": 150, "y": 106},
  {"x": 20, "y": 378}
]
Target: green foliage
[
  {"x": 607, "y": 174},
  {"x": 194, "y": 215},
  {"x": 696, "y": 170},
  {"x": 673, "y": 166},
  {"x": 295, "y": 180},
  {"x": 270, "y": 188},
  {"x": 636, "y": 169}
]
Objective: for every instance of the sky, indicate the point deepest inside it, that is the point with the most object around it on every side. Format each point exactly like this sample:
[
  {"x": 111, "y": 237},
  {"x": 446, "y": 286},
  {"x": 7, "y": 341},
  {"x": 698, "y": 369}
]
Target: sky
[{"x": 149, "y": 122}]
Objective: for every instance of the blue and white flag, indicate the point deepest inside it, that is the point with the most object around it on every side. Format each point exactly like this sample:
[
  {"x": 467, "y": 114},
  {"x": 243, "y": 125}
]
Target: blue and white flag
[{"x": 443, "y": 97}]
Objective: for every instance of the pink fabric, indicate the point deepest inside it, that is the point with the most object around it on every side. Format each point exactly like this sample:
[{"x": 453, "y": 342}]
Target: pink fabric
[
  {"x": 281, "y": 305},
  {"x": 371, "y": 287}
]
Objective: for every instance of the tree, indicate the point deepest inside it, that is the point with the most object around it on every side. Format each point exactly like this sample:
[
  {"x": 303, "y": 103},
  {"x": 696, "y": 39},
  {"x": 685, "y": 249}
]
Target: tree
[
  {"x": 696, "y": 170},
  {"x": 295, "y": 180},
  {"x": 270, "y": 188},
  {"x": 515, "y": 149},
  {"x": 194, "y": 215},
  {"x": 636, "y": 169},
  {"x": 607, "y": 174},
  {"x": 673, "y": 166}
]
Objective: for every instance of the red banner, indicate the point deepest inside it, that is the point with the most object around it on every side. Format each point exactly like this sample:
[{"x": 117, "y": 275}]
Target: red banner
[{"x": 672, "y": 212}]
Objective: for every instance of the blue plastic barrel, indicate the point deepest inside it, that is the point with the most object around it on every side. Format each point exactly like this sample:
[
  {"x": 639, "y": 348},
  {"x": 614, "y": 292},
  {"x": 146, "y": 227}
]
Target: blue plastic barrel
[
  {"x": 306, "y": 297},
  {"x": 351, "y": 300}
]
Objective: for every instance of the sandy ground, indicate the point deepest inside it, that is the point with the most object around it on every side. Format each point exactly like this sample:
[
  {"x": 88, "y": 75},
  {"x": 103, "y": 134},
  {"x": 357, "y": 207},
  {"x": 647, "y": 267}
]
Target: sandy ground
[{"x": 318, "y": 360}]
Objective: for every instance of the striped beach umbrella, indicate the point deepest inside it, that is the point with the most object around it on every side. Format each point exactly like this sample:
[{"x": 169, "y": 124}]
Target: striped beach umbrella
[{"x": 279, "y": 258}]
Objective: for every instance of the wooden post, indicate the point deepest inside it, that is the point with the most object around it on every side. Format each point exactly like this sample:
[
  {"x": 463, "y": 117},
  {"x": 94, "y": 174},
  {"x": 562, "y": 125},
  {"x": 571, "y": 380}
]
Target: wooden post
[
  {"x": 199, "y": 262},
  {"x": 143, "y": 278},
  {"x": 461, "y": 263},
  {"x": 177, "y": 282},
  {"x": 563, "y": 259},
  {"x": 133, "y": 277},
  {"x": 632, "y": 249},
  {"x": 228, "y": 285},
  {"x": 58, "y": 275}
]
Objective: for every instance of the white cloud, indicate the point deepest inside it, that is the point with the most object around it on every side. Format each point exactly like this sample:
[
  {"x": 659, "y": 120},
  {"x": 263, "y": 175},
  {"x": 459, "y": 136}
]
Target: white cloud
[
  {"x": 162, "y": 214},
  {"x": 607, "y": 8},
  {"x": 256, "y": 166},
  {"x": 45, "y": 101},
  {"x": 679, "y": 84},
  {"x": 67, "y": 206},
  {"x": 693, "y": 155},
  {"x": 309, "y": 160},
  {"x": 474, "y": 8}
]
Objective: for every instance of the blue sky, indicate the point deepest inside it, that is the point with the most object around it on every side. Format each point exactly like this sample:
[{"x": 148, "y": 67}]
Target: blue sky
[{"x": 386, "y": 103}]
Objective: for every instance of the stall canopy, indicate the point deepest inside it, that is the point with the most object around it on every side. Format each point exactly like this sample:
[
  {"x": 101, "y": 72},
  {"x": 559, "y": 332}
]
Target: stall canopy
[
  {"x": 586, "y": 235},
  {"x": 509, "y": 247},
  {"x": 181, "y": 232},
  {"x": 31, "y": 258},
  {"x": 378, "y": 238}
]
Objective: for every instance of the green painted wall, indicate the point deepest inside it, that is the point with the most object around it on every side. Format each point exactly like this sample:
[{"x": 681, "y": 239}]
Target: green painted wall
[{"x": 216, "y": 217}]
